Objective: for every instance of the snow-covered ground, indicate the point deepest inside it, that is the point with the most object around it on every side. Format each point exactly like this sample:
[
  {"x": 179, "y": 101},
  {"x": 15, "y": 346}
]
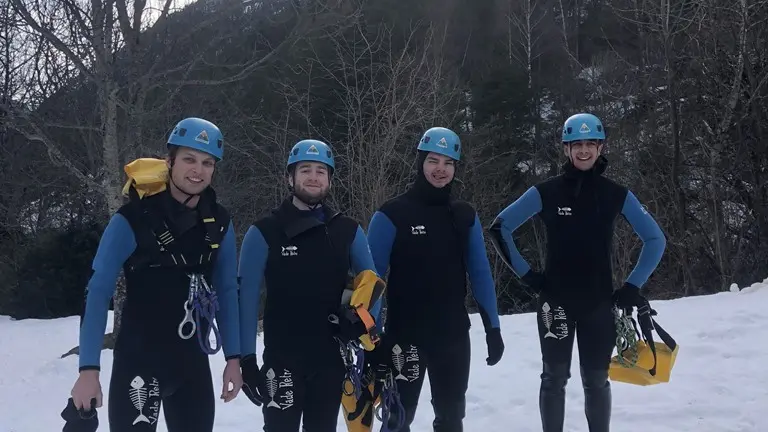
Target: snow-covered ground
[{"x": 719, "y": 384}]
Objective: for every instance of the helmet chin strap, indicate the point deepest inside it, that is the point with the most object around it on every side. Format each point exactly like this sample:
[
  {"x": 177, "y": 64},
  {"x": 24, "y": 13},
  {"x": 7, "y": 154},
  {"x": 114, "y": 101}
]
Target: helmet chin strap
[
  {"x": 189, "y": 195},
  {"x": 309, "y": 205}
]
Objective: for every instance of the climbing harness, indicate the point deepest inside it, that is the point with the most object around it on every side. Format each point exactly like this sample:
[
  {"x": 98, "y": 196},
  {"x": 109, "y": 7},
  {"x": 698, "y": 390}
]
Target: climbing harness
[
  {"x": 626, "y": 337},
  {"x": 202, "y": 302},
  {"x": 390, "y": 404}
]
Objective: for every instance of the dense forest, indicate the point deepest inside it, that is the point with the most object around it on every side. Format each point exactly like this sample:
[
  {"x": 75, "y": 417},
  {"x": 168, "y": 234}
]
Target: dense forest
[{"x": 681, "y": 85}]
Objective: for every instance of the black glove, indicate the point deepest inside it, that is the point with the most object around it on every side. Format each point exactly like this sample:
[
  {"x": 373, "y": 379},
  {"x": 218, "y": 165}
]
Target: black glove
[
  {"x": 254, "y": 385},
  {"x": 79, "y": 420},
  {"x": 495, "y": 346},
  {"x": 351, "y": 327},
  {"x": 628, "y": 297},
  {"x": 534, "y": 280}
]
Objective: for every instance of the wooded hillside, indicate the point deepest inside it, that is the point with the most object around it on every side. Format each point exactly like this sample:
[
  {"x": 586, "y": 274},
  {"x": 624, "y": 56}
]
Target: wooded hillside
[{"x": 681, "y": 86}]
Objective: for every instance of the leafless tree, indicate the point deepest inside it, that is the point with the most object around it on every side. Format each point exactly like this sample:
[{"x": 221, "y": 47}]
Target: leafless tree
[{"x": 111, "y": 45}]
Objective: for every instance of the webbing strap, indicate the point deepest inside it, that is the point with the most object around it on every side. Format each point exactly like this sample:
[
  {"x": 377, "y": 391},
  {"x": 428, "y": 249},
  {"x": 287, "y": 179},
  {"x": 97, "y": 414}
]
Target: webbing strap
[
  {"x": 169, "y": 254},
  {"x": 370, "y": 324},
  {"x": 647, "y": 325}
]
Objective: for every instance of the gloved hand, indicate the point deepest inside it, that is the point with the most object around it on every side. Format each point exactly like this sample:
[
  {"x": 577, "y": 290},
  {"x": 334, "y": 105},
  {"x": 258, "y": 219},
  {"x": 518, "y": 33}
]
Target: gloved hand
[
  {"x": 534, "y": 280},
  {"x": 628, "y": 297},
  {"x": 495, "y": 346},
  {"x": 254, "y": 385},
  {"x": 80, "y": 420},
  {"x": 351, "y": 327}
]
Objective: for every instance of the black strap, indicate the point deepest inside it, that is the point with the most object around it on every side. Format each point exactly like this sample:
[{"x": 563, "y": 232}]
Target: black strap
[
  {"x": 213, "y": 229},
  {"x": 168, "y": 254},
  {"x": 645, "y": 316}
]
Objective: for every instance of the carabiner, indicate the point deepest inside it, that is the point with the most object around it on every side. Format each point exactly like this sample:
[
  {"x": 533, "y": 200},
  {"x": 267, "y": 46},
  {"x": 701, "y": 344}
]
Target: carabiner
[
  {"x": 187, "y": 320},
  {"x": 204, "y": 283}
]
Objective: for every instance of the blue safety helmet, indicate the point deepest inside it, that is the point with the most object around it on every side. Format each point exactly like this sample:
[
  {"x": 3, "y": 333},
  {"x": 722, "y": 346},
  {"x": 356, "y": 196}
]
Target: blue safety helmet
[
  {"x": 198, "y": 134},
  {"x": 310, "y": 150},
  {"x": 443, "y": 141},
  {"x": 583, "y": 126}
]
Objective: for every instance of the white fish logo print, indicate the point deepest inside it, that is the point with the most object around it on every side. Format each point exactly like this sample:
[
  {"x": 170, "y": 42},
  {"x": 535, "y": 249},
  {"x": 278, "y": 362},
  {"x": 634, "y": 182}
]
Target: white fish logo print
[
  {"x": 272, "y": 388},
  {"x": 138, "y": 394},
  {"x": 398, "y": 359},
  {"x": 546, "y": 316}
]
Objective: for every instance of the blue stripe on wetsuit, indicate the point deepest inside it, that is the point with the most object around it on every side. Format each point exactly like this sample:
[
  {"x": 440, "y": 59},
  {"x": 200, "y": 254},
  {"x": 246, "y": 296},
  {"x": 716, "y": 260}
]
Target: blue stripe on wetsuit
[
  {"x": 649, "y": 232},
  {"x": 115, "y": 247},
  {"x": 360, "y": 258},
  {"x": 253, "y": 260},
  {"x": 381, "y": 237},
  {"x": 516, "y": 214},
  {"x": 479, "y": 269},
  {"x": 225, "y": 283}
]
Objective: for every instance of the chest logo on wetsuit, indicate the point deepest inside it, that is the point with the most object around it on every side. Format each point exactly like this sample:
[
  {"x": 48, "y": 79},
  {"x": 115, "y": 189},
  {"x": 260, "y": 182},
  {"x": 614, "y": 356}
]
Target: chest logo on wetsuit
[
  {"x": 418, "y": 230},
  {"x": 289, "y": 251},
  {"x": 564, "y": 211}
]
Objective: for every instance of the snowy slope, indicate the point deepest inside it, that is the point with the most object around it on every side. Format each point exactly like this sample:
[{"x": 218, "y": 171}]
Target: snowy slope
[{"x": 719, "y": 384}]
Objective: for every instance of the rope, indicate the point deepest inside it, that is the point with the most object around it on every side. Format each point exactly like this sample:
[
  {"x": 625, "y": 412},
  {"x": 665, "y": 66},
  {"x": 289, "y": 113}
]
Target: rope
[
  {"x": 354, "y": 368},
  {"x": 390, "y": 404},
  {"x": 626, "y": 339},
  {"x": 207, "y": 306}
]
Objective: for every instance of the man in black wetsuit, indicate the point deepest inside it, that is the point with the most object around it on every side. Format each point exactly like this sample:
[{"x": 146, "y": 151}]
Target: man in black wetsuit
[
  {"x": 579, "y": 209},
  {"x": 176, "y": 245},
  {"x": 429, "y": 242},
  {"x": 302, "y": 252}
]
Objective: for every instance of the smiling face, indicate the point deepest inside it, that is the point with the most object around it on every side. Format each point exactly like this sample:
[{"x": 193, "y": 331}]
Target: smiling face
[
  {"x": 191, "y": 170},
  {"x": 310, "y": 181},
  {"x": 583, "y": 154},
  {"x": 438, "y": 169}
]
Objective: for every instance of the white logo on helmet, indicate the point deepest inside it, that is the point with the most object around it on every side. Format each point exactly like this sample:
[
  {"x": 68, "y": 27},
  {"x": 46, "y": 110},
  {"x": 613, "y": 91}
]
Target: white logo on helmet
[
  {"x": 584, "y": 128},
  {"x": 202, "y": 137},
  {"x": 442, "y": 143},
  {"x": 313, "y": 150}
]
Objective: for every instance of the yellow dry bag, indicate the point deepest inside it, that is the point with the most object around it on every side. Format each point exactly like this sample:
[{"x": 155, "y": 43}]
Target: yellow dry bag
[
  {"x": 367, "y": 289},
  {"x": 648, "y": 362},
  {"x": 147, "y": 176}
]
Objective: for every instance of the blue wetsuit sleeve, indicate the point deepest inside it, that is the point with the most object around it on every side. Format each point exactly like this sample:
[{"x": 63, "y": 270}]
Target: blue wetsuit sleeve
[
  {"x": 115, "y": 247},
  {"x": 225, "y": 284},
  {"x": 649, "y": 232},
  {"x": 360, "y": 257},
  {"x": 381, "y": 237},
  {"x": 480, "y": 277},
  {"x": 516, "y": 214},
  {"x": 253, "y": 259},
  {"x": 360, "y": 260}
]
